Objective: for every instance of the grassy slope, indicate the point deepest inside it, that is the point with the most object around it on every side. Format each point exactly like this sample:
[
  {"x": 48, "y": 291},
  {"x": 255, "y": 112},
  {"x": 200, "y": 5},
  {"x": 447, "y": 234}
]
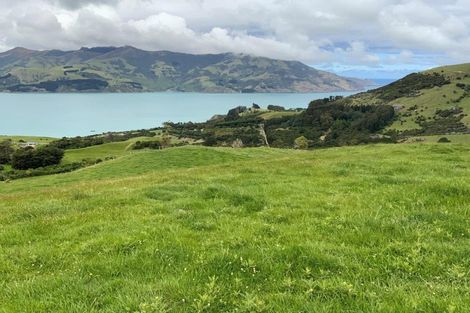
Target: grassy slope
[
  {"x": 460, "y": 138},
  {"x": 363, "y": 229},
  {"x": 429, "y": 100},
  {"x": 113, "y": 149},
  {"x": 16, "y": 139}
]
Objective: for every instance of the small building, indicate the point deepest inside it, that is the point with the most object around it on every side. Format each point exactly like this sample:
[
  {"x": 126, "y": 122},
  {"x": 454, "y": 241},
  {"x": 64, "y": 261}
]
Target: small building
[
  {"x": 397, "y": 107},
  {"x": 31, "y": 144}
]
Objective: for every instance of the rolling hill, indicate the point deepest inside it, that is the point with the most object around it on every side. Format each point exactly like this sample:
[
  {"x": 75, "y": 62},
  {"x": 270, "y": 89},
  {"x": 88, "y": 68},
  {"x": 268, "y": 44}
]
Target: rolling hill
[
  {"x": 433, "y": 102},
  {"x": 125, "y": 69},
  {"x": 377, "y": 228}
]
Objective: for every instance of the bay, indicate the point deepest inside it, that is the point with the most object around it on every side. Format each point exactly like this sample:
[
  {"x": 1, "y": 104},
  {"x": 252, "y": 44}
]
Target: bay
[{"x": 59, "y": 115}]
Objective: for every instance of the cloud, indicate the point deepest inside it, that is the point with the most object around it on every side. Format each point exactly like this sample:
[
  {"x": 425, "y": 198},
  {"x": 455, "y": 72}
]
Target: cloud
[
  {"x": 75, "y": 4},
  {"x": 358, "y": 33}
]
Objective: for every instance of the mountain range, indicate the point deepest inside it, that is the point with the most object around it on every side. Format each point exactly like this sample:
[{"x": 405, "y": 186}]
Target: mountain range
[{"x": 128, "y": 69}]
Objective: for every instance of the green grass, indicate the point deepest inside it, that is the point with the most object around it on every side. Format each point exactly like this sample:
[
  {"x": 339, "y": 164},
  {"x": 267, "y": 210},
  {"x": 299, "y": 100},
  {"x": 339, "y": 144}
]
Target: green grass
[
  {"x": 16, "y": 139},
  {"x": 357, "y": 229},
  {"x": 107, "y": 150},
  {"x": 113, "y": 149},
  {"x": 427, "y": 101},
  {"x": 273, "y": 114},
  {"x": 461, "y": 138}
]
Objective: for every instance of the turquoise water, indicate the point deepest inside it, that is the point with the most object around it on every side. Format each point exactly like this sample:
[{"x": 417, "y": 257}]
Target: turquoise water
[{"x": 58, "y": 115}]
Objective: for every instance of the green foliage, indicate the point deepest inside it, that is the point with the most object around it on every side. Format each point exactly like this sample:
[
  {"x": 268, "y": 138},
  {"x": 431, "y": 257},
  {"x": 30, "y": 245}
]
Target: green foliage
[
  {"x": 95, "y": 140},
  {"x": 29, "y": 158},
  {"x": 43, "y": 171},
  {"x": 301, "y": 143},
  {"x": 234, "y": 113},
  {"x": 410, "y": 86},
  {"x": 443, "y": 140},
  {"x": 340, "y": 124},
  {"x": 276, "y": 108},
  {"x": 6, "y": 151},
  {"x": 445, "y": 122},
  {"x": 139, "y": 145}
]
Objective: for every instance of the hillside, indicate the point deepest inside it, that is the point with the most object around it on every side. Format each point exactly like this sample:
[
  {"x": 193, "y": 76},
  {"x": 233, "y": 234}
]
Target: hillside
[
  {"x": 429, "y": 103},
  {"x": 124, "y": 69},
  {"x": 378, "y": 228}
]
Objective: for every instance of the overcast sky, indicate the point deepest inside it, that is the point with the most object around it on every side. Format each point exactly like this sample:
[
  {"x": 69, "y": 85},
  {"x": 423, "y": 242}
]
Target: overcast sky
[{"x": 368, "y": 38}]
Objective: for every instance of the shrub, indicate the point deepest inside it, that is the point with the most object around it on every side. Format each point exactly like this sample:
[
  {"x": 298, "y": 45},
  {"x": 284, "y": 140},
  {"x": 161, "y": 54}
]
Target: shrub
[
  {"x": 234, "y": 113},
  {"x": 411, "y": 85},
  {"x": 276, "y": 108},
  {"x": 29, "y": 158},
  {"x": 6, "y": 150},
  {"x": 139, "y": 145},
  {"x": 301, "y": 143},
  {"x": 443, "y": 140}
]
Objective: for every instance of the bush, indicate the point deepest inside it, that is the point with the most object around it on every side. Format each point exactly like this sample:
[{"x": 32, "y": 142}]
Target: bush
[
  {"x": 276, "y": 108},
  {"x": 41, "y": 171},
  {"x": 29, "y": 158},
  {"x": 301, "y": 143},
  {"x": 139, "y": 145},
  {"x": 443, "y": 140},
  {"x": 95, "y": 140},
  {"x": 234, "y": 113},
  {"x": 411, "y": 85},
  {"x": 6, "y": 150}
]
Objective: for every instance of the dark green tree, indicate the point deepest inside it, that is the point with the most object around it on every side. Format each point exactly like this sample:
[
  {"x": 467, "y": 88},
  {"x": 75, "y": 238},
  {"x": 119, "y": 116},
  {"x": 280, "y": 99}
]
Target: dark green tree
[
  {"x": 29, "y": 158},
  {"x": 6, "y": 150}
]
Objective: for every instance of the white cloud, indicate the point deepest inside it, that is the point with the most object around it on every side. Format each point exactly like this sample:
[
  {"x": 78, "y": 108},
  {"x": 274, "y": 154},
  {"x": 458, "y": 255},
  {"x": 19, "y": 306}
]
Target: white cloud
[{"x": 353, "y": 33}]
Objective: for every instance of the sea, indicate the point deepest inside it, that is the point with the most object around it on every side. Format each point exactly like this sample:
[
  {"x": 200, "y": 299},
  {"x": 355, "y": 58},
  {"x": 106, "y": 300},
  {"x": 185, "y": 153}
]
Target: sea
[{"x": 81, "y": 114}]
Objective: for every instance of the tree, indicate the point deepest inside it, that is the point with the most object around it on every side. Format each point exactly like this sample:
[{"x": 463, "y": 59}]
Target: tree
[
  {"x": 29, "y": 158},
  {"x": 6, "y": 150},
  {"x": 276, "y": 108},
  {"x": 301, "y": 143},
  {"x": 165, "y": 141},
  {"x": 234, "y": 113}
]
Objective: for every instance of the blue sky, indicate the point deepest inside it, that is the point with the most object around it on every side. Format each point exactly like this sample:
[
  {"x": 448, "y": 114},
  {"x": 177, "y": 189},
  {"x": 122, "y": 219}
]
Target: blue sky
[
  {"x": 386, "y": 69},
  {"x": 362, "y": 38}
]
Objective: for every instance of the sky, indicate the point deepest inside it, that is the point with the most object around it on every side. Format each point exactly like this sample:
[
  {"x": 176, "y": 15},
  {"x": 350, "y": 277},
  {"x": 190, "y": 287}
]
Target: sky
[{"x": 361, "y": 38}]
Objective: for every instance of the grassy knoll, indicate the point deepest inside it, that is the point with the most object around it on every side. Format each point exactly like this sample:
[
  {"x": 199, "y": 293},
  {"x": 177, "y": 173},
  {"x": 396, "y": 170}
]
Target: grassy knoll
[
  {"x": 273, "y": 114},
  {"x": 16, "y": 139},
  {"x": 112, "y": 149},
  {"x": 359, "y": 229}
]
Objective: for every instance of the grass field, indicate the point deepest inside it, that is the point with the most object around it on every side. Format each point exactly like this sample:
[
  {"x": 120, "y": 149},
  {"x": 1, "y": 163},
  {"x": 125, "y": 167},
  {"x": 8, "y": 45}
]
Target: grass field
[
  {"x": 16, "y": 139},
  {"x": 380, "y": 228},
  {"x": 107, "y": 150},
  {"x": 457, "y": 138},
  {"x": 110, "y": 150}
]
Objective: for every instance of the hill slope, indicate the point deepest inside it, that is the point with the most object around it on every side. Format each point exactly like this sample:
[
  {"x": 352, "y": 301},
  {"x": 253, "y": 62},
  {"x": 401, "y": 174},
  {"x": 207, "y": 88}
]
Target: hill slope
[
  {"x": 428, "y": 103},
  {"x": 131, "y": 69},
  {"x": 361, "y": 229}
]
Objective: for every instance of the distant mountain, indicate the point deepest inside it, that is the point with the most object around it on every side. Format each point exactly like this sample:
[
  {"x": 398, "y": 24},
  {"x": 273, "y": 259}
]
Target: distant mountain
[{"x": 126, "y": 69}]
